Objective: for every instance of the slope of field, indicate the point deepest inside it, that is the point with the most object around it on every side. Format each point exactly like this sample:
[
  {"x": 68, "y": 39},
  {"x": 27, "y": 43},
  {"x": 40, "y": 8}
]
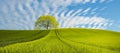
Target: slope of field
[
  {"x": 60, "y": 41},
  {"x": 16, "y": 36}
]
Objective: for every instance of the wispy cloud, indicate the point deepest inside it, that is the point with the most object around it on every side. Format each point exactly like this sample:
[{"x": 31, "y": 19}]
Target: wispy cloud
[
  {"x": 85, "y": 22},
  {"x": 76, "y": 13},
  {"x": 70, "y": 12},
  {"x": 21, "y": 14}
]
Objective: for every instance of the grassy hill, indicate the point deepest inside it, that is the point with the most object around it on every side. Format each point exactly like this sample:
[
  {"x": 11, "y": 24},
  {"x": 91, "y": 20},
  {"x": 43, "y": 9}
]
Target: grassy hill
[{"x": 59, "y": 41}]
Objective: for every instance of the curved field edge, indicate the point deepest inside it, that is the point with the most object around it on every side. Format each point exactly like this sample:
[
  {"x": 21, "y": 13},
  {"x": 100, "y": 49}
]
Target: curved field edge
[
  {"x": 70, "y": 41},
  {"x": 8, "y": 37}
]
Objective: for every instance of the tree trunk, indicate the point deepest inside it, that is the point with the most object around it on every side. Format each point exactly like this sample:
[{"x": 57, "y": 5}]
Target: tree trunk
[{"x": 47, "y": 24}]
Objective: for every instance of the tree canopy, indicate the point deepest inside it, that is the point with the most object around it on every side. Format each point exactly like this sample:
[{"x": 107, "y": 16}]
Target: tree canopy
[{"x": 46, "y": 22}]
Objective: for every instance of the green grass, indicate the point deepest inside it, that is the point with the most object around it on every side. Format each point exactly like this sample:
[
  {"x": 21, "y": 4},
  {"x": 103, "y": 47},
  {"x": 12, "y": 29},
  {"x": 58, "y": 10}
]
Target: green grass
[
  {"x": 60, "y": 41},
  {"x": 15, "y": 36}
]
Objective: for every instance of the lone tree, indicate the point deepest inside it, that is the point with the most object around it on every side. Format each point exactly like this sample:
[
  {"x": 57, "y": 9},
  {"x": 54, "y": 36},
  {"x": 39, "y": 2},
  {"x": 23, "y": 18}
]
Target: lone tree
[{"x": 46, "y": 22}]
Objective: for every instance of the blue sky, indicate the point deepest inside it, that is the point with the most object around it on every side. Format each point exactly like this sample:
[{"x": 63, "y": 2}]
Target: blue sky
[{"x": 95, "y": 14}]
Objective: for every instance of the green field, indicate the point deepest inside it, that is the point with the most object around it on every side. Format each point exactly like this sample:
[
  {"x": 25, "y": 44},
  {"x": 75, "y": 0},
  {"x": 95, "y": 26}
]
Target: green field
[{"x": 71, "y": 40}]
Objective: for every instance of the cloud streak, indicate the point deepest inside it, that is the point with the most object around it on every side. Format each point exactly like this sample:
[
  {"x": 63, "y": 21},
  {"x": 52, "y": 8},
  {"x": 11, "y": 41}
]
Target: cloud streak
[
  {"x": 21, "y": 14},
  {"x": 85, "y": 22}
]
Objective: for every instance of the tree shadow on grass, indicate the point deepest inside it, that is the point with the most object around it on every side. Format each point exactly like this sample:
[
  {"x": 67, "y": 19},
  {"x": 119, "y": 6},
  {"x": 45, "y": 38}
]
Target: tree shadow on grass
[{"x": 24, "y": 37}]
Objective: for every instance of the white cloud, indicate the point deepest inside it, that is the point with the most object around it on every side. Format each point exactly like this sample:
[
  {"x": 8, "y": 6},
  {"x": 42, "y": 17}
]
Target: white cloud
[
  {"x": 69, "y": 13},
  {"x": 86, "y": 22},
  {"x": 107, "y": 1},
  {"x": 86, "y": 10},
  {"x": 55, "y": 4},
  {"x": 77, "y": 12},
  {"x": 85, "y": 1},
  {"x": 56, "y": 13},
  {"x": 93, "y": 1},
  {"x": 25, "y": 13},
  {"x": 63, "y": 13}
]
